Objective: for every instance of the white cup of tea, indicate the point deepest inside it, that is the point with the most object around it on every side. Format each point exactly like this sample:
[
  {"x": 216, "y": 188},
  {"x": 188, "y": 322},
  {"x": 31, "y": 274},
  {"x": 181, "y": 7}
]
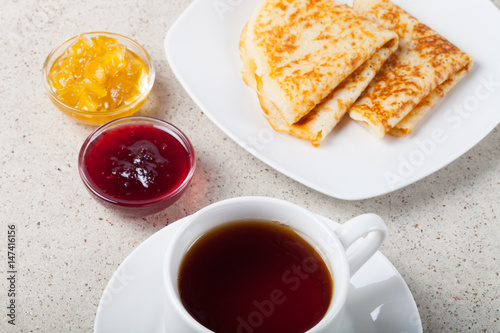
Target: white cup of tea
[{"x": 225, "y": 219}]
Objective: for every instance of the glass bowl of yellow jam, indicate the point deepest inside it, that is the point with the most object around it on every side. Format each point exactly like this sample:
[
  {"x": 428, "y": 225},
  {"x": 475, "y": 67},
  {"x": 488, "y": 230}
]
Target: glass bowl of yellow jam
[{"x": 96, "y": 77}]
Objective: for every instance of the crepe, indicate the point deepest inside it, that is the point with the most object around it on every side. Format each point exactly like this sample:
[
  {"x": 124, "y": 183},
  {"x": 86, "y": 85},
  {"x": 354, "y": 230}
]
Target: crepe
[
  {"x": 413, "y": 80},
  {"x": 309, "y": 61}
]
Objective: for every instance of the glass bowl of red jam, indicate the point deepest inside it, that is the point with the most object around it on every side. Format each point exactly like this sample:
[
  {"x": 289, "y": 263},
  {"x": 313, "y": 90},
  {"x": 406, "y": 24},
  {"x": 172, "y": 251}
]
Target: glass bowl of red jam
[
  {"x": 96, "y": 77},
  {"x": 137, "y": 165}
]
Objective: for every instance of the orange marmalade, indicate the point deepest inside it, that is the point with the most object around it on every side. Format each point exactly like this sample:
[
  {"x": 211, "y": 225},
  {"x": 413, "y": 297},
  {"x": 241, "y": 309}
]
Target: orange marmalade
[{"x": 98, "y": 75}]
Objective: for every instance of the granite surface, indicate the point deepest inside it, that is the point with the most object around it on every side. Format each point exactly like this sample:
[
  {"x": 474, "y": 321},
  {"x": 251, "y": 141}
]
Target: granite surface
[{"x": 444, "y": 230}]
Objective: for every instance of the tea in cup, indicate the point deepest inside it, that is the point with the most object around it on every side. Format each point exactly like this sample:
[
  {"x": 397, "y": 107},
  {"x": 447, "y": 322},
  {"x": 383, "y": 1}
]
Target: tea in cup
[{"x": 255, "y": 264}]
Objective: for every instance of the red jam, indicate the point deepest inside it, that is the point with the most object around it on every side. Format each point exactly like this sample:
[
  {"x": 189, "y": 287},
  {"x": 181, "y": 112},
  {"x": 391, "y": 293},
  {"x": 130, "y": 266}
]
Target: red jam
[{"x": 137, "y": 162}]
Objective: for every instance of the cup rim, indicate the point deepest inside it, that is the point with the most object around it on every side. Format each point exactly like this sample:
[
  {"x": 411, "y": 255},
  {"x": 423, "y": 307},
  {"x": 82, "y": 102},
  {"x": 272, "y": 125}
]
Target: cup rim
[
  {"x": 136, "y": 119},
  {"x": 339, "y": 269},
  {"x": 114, "y": 112}
]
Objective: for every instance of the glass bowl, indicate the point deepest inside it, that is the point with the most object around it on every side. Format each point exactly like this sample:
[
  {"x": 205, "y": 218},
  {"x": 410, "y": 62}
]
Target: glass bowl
[
  {"x": 137, "y": 165},
  {"x": 100, "y": 117}
]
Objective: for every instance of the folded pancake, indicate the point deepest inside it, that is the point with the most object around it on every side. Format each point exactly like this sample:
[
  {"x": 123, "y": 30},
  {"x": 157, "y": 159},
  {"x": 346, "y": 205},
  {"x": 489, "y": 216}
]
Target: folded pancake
[
  {"x": 309, "y": 61},
  {"x": 413, "y": 80},
  {"x": 320, "y": 121}
]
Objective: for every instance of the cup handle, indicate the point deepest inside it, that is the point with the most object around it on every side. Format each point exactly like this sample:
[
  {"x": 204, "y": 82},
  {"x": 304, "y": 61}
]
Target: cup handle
[{"x": 370, "y": 225}]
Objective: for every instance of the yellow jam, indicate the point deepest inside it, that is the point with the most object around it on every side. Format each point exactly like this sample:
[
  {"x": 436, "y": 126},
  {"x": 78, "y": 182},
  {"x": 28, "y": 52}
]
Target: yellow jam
[{"x": 98, "y": 75}]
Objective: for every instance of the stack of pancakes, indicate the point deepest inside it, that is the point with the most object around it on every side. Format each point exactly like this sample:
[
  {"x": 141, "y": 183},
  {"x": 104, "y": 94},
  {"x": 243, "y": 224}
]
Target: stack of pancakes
[{"x": 312, "y": 61}]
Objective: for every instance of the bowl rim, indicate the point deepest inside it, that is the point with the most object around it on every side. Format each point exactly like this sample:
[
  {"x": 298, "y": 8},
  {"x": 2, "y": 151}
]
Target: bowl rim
[
  {"x": 179, "y": 135},
  {"x": 113, "y": 112}
]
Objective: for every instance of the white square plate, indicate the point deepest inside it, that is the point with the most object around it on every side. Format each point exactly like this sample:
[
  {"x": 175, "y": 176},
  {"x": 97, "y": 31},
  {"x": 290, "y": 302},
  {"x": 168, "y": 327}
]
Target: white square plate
[{"x": 350, "y": 164}]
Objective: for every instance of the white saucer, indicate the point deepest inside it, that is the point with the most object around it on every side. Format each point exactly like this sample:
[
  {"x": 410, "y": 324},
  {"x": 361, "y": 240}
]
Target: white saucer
[{"x": 379, "y": 300}]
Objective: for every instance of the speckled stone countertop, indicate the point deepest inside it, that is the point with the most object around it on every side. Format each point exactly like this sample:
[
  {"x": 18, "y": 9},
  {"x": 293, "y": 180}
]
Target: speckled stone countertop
[{"x": 444, "y": 229}]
